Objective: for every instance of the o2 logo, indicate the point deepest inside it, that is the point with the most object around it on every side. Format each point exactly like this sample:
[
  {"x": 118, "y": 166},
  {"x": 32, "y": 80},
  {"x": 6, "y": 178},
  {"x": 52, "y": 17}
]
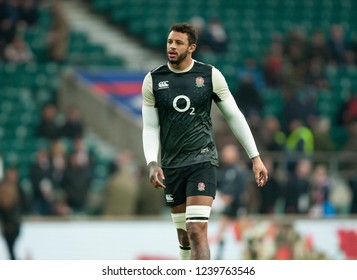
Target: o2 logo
[{"x": 185, "y": 108}]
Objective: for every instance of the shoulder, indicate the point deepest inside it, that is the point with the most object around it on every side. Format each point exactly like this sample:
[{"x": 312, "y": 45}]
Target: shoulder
[
  {"x": 216, "y": 74},
  {"x": 159, "y": 69},
  {"x": 203, "y": 66}
]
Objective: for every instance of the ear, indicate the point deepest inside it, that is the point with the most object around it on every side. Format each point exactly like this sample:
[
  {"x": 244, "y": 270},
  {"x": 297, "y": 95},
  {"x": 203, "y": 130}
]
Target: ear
[{"x": 192, "y": 48}]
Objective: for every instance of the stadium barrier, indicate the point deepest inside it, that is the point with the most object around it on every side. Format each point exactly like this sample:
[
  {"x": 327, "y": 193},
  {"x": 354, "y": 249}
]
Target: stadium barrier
[{"x": 253, "y": 237}]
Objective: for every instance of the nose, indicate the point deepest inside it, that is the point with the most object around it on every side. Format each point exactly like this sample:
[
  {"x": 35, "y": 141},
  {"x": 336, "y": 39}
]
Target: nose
[{"x": 172, "y": 45}]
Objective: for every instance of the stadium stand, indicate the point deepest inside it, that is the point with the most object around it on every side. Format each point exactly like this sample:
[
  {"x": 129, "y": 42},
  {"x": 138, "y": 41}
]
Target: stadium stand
[
  {"x": 251, "y": 26},
  {"x": 27, "y": 87}
]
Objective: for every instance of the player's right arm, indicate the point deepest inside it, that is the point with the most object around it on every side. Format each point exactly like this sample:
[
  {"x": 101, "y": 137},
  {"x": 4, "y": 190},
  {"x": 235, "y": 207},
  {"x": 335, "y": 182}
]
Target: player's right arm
[
  {"x": 151, "y": 133},
  {"x": 239, "y": 125}
]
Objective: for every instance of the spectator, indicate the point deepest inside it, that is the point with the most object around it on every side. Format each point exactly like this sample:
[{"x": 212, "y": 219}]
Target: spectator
[
  {"x": 273, "y": 64},
  {"x": 350, "y": 59},
  {"x": 318, "y": 48},
  {"x": 17, "y": 51},
  {"x": 321, "y": 184},
  {"x": 150, "y": 201},
  {"x": 200, "y": 25},
  {"x": 350, "y": 145},
  {"x": 295, "y": 59},
  {"x": 231, "y": 188},
  {"x": 10, "y": 209},
  {"x": 80, "y": 149},
  {"x": 28, "y": 13},
  {"x": 12, "y": 177},
  {"x": 271, "y": 135},
  {"x": 58, "y": 157},
  {"x": 76, "y": 183},
  {"x": 337, "y": 43},
  {"x": 296, "y": 108},
  {"x": 296, "y": 47},
  {"x": 41, "y": 180},
  {"x": 248, "y": 98},
  {"x": 300, "y": 138},
  {"x": 57, "y": 38},
  {"x": 216, "y": 37},
  {"x": 121, "y": 191},
  {"x": 73, "y": 126},
  {"x": 322, "y": 135},
  {"x": 315, "y": 76},
  {"x": 49, "y": 126},
  {"x": 352, "y": 183},
  {"x": 353, "y": 47},
  {"x": 8, "y": 21},
  {"x": 297, "y": 188},
  {"x": 251, "y": 69},
  {"x": 340, "y": 195},
  {"x": 348, "y": 111},
  {"x": 349, "y": 149},
  {"x": 270, "y": 196}
]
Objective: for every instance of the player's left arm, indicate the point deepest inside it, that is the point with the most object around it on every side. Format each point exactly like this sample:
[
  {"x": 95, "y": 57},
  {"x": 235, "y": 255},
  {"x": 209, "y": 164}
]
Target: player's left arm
[{"x": 237, "y": 122}]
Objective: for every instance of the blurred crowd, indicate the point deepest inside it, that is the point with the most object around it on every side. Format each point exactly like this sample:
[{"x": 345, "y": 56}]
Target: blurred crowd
[
  {"x": 297, "y": 66},
  {"x": 304, "y": 187},
  {"x": 294, "y": 65},
  {"x": 61, "y": 172},
  {"x": 295, "y": 71},
  {"x": 20, "y": 16},
  {"x": 61, "y": 175},
  {"x": 14, "y": 17}
]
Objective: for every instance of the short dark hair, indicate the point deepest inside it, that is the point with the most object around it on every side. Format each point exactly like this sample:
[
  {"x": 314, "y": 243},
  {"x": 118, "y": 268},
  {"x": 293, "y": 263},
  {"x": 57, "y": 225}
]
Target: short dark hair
[{"x": 184, "y": 27}]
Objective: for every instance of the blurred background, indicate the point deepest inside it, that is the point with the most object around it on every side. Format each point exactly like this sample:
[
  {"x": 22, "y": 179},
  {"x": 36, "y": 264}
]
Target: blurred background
[{"x": 73, "y": 178}]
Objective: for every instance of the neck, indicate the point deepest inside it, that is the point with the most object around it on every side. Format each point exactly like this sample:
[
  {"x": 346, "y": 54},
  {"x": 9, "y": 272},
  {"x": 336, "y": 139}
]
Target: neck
[{"x": 181, "y": 69}]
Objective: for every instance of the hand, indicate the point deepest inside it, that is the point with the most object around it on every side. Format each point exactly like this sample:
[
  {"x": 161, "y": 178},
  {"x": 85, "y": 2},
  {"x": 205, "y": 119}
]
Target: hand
[
  {"x": 156, "y": 175},
  {"x": 260, "y": 172}
]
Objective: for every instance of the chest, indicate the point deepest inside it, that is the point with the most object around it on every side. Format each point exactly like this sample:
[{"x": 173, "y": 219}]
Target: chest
[{"x": 182, "y": 91}]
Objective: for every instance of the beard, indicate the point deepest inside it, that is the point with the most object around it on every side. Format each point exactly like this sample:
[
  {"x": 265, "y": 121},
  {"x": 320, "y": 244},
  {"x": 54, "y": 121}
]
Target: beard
[{"x": 179, "y": 59}]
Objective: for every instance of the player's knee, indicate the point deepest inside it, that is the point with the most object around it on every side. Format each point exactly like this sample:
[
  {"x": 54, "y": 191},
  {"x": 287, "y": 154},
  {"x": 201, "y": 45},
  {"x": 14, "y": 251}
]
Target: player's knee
[
  {"x": 179, "y": 220},
  {"x": 183, "y": 238},
  {"x": 196, "y": 231},
  {"x": 196, "y": 221}
]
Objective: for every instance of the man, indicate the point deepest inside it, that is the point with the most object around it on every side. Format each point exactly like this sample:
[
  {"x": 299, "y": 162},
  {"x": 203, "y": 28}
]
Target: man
[
  {"x": 10, "y": 209},
  {"x": 231, "y": 189},
  {"x": 177, "y": 100}
]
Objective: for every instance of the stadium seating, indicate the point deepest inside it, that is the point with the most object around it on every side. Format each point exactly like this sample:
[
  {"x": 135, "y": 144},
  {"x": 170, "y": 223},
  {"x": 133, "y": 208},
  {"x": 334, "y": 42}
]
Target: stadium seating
[
  {"x": 25, "y": 88},
  {"x": 251, "y": 26}
]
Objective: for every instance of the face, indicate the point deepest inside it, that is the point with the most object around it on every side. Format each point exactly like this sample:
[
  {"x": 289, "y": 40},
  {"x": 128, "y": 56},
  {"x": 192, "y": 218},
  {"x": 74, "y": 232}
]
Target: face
[
  {"x": 178, "y": 47},
  {"x": 229, "y": 154}
]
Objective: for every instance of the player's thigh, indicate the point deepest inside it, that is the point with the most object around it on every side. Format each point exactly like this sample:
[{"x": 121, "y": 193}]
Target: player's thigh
[
  {"x": 201, "y": 184},
  {"x": 199, "y": 200},
  {"x": 175, "y": 191}
]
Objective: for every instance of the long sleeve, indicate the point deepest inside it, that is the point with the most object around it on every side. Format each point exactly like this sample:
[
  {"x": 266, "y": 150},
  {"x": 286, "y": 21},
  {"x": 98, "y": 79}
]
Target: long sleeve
[
  {"x": 151, "y": 127},
  {"x": 151, "y": 131},
  {"x": 233, "y": 114}
]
